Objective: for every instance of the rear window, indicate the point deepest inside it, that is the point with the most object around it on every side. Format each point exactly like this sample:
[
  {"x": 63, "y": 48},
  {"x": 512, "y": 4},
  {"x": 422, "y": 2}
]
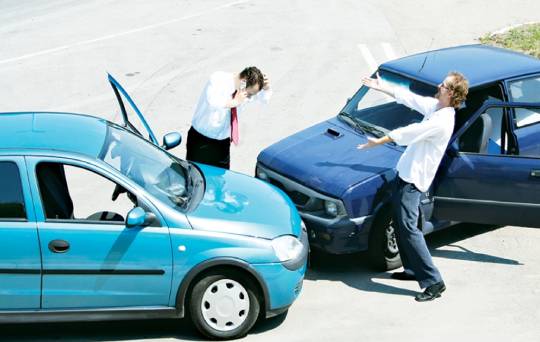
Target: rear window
[
  {"x": 527, "y": 91},
  {"x": 11, "y": 194}
]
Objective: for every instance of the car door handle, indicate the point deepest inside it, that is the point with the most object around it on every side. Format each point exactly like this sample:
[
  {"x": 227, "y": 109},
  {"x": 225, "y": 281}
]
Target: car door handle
[
  {"x": 58, "y": 246},
  {"x": 535, "y": 173}
]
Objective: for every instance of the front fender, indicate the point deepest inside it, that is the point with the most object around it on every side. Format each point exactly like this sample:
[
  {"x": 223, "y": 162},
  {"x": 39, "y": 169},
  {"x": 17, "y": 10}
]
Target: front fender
[
  {"x": 369, "y": 196},
  {"x": 212, "y": 263}
]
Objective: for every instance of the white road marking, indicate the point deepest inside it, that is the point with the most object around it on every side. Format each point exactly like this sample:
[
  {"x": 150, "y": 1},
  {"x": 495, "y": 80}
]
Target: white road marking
[
  {"x": 120, "y": 34},
  {"x": 389, "y": 51},
  {"x": 368, "y": 57},
  {"x": 162, "y": 80}
]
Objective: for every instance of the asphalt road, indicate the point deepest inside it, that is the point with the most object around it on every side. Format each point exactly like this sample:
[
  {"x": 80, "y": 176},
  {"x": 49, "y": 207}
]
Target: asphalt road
[{"x": 54, "y": 55}]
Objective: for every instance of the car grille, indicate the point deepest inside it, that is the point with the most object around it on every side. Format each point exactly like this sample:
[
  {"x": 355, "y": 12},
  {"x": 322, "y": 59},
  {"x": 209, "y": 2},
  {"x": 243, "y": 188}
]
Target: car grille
[
  {"x": 297, "y": 197},
  {"x": 305, "y": 199}
]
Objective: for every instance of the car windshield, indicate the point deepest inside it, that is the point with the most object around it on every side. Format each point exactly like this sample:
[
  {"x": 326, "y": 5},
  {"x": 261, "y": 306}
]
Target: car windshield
[
  {"x": 377, "y": 113},
  {"x": 161, "y": 174}
]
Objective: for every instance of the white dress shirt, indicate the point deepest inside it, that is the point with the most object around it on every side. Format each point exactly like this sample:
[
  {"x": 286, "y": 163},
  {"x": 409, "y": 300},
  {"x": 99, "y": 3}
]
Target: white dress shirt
[
  {"x": 426, "y": 141},
  {"x": 212, "y": 119}
]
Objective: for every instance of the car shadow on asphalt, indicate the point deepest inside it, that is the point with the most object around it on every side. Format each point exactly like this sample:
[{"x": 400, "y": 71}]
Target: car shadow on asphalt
[
  {"x": 102, "y": 331},
  {"x": 180, "y": 329},
  {"x": 450, "y": 238},
  {"x": 354, "y": 269}
]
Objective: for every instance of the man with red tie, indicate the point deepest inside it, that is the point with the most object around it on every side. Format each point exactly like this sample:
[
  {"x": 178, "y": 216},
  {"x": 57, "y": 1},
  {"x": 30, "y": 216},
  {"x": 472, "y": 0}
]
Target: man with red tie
[{"x": 215, "y": 122}]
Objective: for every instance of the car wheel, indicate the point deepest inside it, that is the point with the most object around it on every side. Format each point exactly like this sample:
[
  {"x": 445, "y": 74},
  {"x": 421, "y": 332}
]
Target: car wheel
[
  {"x": 383, "y": 252},
  {"x": 224, "y": 305}
]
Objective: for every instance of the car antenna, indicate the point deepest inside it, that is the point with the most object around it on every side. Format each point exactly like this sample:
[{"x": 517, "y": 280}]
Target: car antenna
[{"x": 425, "y": 58}]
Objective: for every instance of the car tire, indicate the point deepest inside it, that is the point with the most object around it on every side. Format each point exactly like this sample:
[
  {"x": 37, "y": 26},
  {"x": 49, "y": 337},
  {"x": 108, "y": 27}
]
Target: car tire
[
  {"x": 383, "y": 253},
  {"x": 224, "y": 304}
]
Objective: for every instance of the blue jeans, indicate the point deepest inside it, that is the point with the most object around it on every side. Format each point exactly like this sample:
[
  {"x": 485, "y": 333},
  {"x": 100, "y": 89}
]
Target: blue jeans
[{"x": 413, "y": 250}]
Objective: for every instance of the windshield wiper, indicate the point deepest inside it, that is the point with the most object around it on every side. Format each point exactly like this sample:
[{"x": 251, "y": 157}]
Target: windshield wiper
[
  {"x": 361, "y": 126},
  {"x": 351, "y": 121},
  {"x": 372, "y": 129}
]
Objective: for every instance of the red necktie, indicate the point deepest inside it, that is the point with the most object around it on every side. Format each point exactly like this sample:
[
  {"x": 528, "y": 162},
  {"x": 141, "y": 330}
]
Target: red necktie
[{"x": 235, "y": 136}]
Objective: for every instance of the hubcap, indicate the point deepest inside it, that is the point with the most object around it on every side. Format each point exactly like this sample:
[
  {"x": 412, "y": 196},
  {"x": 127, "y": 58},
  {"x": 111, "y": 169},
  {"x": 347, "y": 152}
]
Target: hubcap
[
  {"x": 391, "y": 243},
  {"x": 225, "y": 305}
]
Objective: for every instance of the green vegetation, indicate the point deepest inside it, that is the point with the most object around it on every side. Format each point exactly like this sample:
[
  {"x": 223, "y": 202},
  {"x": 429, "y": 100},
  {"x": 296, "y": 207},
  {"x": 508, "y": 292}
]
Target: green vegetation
[{"x": 524, "y": 38}]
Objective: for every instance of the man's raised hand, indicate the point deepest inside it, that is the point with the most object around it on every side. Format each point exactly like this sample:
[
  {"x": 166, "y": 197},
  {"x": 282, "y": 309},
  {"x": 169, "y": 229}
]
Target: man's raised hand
[{"x": 375, "y": 83}]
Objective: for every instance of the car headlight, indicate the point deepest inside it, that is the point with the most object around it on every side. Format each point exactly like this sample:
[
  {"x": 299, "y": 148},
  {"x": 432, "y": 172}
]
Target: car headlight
[
  {"x": 287, "y": 247},
  {"x": 262, "y": 175},
  {"x": 331, "y": 208}
]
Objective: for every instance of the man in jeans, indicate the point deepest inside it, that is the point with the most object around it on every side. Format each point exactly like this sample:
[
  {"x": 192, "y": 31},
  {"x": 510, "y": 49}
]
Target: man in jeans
[{"x": 426, "y": 143}]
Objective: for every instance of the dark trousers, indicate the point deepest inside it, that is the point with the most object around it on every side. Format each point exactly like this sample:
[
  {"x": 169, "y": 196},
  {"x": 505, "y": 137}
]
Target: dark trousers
[
  {"x": 412, "y": 245},
  {"x": 202, "y": 149}
]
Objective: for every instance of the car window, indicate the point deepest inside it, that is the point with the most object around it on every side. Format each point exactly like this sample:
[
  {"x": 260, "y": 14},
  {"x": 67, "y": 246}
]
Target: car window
[
  {"x": 475, "y": 100},
  {"x": 485, "y": 134},
  {"x": 11, "y": 193},
  {"x": 528, "y": 136},
  {"x": 527, "y": 91},
  {"x": 75, "y": 193},
  {"x": 489, "y": 136}
]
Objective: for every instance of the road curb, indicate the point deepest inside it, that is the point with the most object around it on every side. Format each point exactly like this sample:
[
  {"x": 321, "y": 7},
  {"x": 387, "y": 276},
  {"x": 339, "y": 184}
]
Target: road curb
[{"x": 511, "y": 27}]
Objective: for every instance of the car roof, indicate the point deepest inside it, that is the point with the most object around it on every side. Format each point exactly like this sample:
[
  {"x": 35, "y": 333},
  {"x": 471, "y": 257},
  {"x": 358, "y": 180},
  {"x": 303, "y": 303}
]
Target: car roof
[
  {"x": 481, "y": 64},
  {"x": 69, "y": 132}
]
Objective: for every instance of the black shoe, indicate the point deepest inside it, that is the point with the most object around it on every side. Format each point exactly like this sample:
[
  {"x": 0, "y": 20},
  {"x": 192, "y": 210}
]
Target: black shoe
[
  {"x": 431, "y": 292},
  {"x": 402, "y": 276}
]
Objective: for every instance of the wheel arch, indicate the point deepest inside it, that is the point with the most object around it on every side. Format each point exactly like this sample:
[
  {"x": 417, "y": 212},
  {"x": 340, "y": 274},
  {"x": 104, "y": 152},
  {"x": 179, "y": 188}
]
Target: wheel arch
[
  {"x": 384, "y": 207},
  {"x": 217, "y": 263}
]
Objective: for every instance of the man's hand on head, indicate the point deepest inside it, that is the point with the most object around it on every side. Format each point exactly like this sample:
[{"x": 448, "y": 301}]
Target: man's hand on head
[
  {"x": 240, "y": 96},
  {"x": 266, "y": 85}
]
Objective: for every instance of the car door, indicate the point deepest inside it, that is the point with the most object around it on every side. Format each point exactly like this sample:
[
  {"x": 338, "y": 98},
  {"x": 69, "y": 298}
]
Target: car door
[
  {"x": 526, "y": 119},
  {"x": 132, "y": 118},
  {"x": 90, "y": 258},
  {"x": 20, "y": 259},
  {"x": 499, "y": 184}
]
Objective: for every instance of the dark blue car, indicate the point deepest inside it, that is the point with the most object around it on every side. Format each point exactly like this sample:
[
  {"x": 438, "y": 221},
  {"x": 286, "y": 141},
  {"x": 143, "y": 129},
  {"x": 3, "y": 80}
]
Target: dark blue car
[{"x": 490, "y": 173}]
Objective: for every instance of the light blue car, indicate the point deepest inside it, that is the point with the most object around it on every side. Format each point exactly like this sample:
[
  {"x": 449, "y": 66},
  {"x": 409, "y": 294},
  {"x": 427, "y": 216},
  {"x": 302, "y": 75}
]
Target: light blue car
[{"x": 98, "y": 222}]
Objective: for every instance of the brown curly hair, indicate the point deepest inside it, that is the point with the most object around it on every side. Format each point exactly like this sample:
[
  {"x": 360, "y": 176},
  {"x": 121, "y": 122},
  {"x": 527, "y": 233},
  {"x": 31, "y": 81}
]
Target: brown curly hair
[{"x": 459, "y": 88}]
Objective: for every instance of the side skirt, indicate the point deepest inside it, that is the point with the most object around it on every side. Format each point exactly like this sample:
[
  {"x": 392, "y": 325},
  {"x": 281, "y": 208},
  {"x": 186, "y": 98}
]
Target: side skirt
[{"x": 108, "y": 314}]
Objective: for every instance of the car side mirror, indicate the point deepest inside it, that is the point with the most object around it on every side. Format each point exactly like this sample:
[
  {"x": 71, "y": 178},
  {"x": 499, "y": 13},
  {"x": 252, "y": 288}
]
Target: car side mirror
[
  {"x": 171, "y": 140},
  {"x": 137, "y": 217}
]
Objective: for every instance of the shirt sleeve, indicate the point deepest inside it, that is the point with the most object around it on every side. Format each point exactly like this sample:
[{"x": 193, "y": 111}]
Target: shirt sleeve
[
  {"x": 426, "y": 129},
  {"x": 422, "y": 104},
  {"x": 214, "y": 92}
]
